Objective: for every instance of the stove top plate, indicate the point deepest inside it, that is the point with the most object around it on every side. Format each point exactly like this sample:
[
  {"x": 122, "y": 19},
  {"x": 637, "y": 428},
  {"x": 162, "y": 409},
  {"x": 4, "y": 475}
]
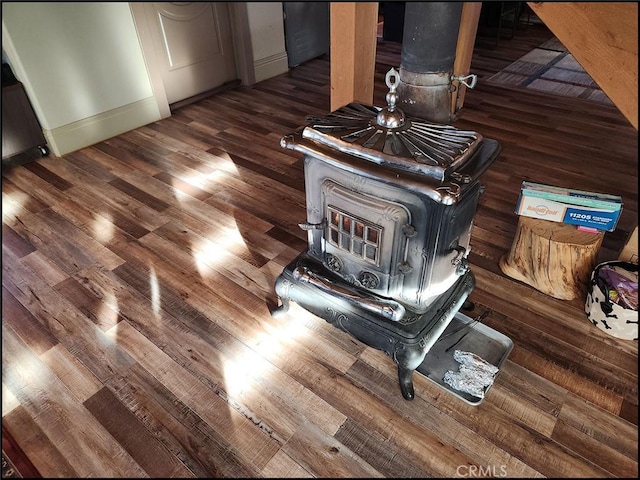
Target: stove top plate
[{"x": 434, "y": 150}]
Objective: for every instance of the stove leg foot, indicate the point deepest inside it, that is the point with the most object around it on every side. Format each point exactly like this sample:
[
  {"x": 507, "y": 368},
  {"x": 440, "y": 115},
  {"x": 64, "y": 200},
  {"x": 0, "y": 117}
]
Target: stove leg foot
[
  {"x": 405, "y": 376},
  {"x": 282, "y": 308}
]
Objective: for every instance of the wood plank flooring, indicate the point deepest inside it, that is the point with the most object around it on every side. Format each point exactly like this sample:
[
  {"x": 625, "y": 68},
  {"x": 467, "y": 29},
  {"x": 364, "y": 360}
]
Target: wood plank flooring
[{"x": 137, "y": 283}]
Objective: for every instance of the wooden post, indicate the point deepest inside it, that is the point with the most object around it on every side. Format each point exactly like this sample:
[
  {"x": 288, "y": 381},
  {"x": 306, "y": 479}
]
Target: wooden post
[
  {"x": 353, "y": 52},
  {"x": 464, "y": 50},
  {"x": 555, "y": 258}
]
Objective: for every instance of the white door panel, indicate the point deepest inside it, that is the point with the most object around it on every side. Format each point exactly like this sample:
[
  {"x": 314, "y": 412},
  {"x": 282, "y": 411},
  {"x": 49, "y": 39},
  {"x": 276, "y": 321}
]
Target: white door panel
[{"x": 194, "y": 46}]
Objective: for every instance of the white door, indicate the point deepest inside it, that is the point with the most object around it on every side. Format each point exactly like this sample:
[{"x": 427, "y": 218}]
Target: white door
[{"x": 194, "y": 46}]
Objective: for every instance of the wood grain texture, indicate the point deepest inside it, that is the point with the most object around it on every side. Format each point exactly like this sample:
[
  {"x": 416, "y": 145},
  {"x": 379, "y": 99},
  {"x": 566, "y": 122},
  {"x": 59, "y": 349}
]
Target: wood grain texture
[
  {"x": 353, "y": 52},
  {"x": 141, "y": 444},
  {"x": 39, "y": 449},
  {"x": 464, "y": 51},
  {"x": 552, "y": 257},
  {"x": 137, "y": 286},
  {"x": 603, "y": 37}
]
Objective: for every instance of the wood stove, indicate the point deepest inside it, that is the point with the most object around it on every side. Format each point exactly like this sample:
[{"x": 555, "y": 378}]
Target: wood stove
[{"x": 390, "y": 206}]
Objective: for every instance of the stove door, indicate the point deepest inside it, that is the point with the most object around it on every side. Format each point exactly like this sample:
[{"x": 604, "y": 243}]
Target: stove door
[{"x": 363, "y": 239}]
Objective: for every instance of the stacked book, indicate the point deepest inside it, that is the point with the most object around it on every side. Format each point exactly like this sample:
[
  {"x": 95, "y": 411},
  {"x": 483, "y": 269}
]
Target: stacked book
[{"x": 588, "y": 210}]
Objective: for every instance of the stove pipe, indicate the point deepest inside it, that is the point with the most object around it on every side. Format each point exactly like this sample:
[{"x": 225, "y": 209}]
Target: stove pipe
[{"x": 426, "y": 64}]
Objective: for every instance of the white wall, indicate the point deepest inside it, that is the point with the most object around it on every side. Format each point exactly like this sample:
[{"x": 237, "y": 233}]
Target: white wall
[
  {"x": 266, "y": 25},
  {"x": 82, "y": 67}
]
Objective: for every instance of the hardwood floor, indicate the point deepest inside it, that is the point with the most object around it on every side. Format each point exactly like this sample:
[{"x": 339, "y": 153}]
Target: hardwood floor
[{"x": 137, "y": 282}]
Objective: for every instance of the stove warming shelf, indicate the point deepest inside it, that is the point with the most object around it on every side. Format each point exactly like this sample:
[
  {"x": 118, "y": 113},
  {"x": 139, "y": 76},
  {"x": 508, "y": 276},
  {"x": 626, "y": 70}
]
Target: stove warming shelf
[{"x": 463, "y": 333}]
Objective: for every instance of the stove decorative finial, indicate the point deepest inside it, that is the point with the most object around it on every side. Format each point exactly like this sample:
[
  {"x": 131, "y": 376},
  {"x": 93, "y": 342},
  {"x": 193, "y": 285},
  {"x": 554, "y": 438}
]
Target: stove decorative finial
[{"x": 391, "y": 116}]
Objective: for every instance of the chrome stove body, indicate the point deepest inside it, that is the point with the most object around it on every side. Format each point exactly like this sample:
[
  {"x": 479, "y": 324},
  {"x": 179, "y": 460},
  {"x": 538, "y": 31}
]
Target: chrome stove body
[{"x": 390, "y": 206}]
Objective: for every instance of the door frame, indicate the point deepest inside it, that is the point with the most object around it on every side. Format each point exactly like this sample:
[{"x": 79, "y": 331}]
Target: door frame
[{"x": 241, "y": 48}]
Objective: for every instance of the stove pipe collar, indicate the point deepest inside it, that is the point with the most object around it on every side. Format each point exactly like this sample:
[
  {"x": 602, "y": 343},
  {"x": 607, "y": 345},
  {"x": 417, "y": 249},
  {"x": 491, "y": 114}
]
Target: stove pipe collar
[{"x": 426, "y": 64}]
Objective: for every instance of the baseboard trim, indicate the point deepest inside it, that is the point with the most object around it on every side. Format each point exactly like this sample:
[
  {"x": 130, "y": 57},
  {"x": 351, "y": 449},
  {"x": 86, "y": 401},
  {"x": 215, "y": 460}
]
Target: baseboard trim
[
  {"x": 271, "y": 66},
  {"x": 103, "y": 126}
]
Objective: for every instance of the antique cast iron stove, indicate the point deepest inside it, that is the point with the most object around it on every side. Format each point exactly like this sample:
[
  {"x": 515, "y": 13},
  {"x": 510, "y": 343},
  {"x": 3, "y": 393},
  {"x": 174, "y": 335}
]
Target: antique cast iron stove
[{"x": 390, "y": 206}]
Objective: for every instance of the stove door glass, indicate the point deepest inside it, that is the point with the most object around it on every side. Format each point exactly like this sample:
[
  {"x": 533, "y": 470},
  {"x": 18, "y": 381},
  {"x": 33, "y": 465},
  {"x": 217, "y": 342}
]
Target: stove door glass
[{"x": 363, "y": 242}]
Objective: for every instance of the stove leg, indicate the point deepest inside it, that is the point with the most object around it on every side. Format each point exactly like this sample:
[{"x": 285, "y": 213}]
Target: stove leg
[
  {"x": 283, "y": 308},
  {"x": 408, "y": 358},
  {"x": 468, "y": 305},
  {"x": 282, "y": 287},
  {"x": 405, "y": 377}
]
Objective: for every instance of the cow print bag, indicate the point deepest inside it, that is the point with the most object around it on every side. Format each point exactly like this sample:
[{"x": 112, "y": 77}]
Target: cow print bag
[{"x": 612, "y": 300}]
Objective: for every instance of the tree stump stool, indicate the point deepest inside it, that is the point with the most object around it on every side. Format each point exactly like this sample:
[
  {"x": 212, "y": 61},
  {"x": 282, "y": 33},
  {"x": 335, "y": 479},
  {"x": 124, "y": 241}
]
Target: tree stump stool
[{"x": 555, "y": 258}]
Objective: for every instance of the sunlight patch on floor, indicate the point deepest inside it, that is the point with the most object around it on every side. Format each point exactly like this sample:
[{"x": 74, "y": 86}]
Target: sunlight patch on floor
[
  {"x": 284, "y": 330},
  {"x": 9, "y": 401},
  {"x": 12, "y": 204},
  {"x": 154, "y": 287},
  {"x": 229, "y": 165},
  {"x": 209, "y": 253},
  {"x": 203, "y": 180},
  {"x": 242, "y": 371},
  {"x": 103, "y": 227},
  {"x": 109, "y": 310}
]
